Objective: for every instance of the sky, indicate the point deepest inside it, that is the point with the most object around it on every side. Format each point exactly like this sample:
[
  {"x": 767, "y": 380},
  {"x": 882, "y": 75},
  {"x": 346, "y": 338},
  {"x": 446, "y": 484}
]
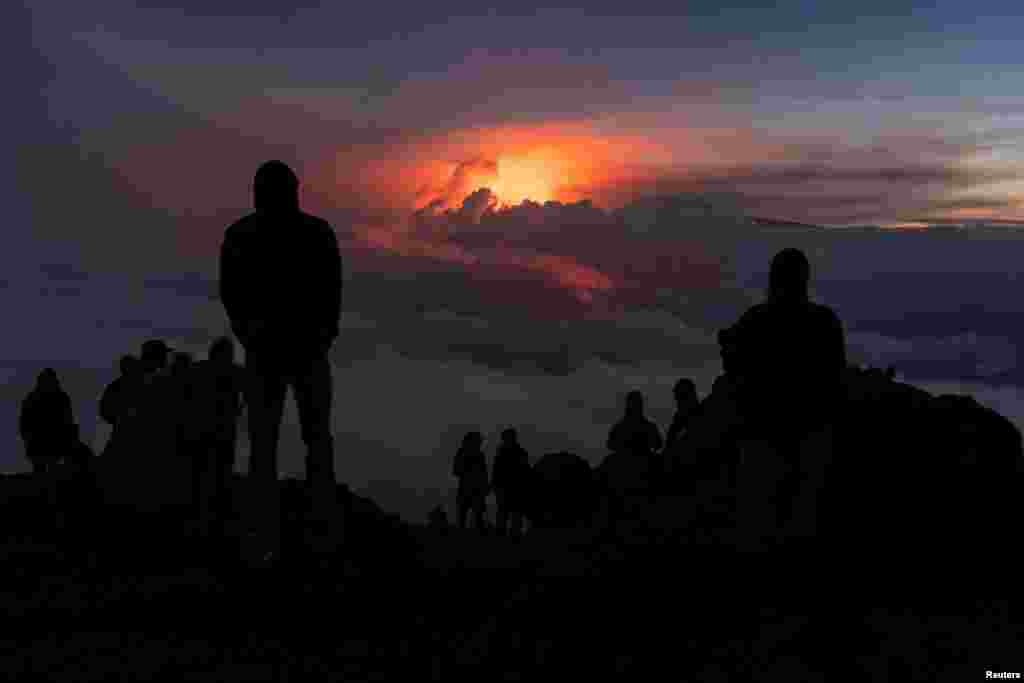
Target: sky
[{"x": 538, "y": 208}]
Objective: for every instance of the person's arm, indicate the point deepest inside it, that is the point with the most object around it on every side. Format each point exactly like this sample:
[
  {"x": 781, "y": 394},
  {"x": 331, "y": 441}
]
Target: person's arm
[
  {"x": 240, "y": 379},
  {"x": 837, "y": 351},
  {"x": 457, "y": 465},
  {"x": 25, "y": 417},
  {"x": 332, "y": 282},
  {"x": 656, "y": 442},
  {"x": 108, "y": 407},
  {"x": 838, "y": 345},
  {"x": 231, "y": 286},
  {"x": 67, "y": 412},
  {"x": 614, "y": 441},
  {"x": 496, "y": 472},
  {"x": 674, "y": 430}
]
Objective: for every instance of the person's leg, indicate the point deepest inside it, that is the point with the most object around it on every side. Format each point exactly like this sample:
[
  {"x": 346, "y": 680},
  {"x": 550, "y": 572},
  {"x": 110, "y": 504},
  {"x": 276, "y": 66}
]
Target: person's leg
[
  {"x": 480, "y": 511},
  {"x": 313, "y": 394},
  {"x": 501, "y": 515},
  {"x": 200, "y": 488},
  {"x": 758, "y": 478},
  {"x": 222, "y": 502},
  {"x": 514, "y": 514},
  {"x": 462, "y": 509},
  {"x": 815, "y": 455},
  {"x": 266, "y": 393}
]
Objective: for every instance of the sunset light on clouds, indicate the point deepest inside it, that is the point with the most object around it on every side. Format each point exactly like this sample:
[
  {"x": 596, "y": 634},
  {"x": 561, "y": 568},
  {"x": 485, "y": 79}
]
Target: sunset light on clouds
[{"x": 503, "y": 181}]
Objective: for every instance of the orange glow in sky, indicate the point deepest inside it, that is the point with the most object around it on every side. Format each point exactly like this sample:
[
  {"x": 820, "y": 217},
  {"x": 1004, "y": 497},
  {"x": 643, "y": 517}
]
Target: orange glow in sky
[
  {"x": 540, "y": 163},
  {"x": 519, "y": 178}
]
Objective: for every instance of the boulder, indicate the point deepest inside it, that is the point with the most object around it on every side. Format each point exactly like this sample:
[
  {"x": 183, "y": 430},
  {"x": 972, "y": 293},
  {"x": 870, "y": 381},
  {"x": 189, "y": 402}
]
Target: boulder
[{"x": 563, "y": 491}]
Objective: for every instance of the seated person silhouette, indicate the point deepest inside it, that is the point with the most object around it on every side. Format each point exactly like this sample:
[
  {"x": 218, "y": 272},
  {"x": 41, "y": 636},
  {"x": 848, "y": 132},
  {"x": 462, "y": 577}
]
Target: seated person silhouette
[
  {"x": 634, "y": 433},
  {"x": 470, "y": 468},
  {"x": 787, "y": 356},
  {"x": 280, "y": 283},
  {"x": 510, "y": 481}
]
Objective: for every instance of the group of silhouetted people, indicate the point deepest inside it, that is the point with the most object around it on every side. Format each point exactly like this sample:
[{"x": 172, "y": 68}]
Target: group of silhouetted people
[
  {"x": 280, "y": 284},
  {"x": 511, "y": 477},
  {"x": 783, "y": 364},
  {"x": 509, "y": 481}
]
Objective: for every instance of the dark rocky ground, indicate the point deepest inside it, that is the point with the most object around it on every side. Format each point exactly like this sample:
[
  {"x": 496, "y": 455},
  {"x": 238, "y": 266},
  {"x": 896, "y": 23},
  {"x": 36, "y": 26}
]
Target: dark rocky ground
[
  {"x": 913, "y": 577},
  {"x": 404, "y": 602}
]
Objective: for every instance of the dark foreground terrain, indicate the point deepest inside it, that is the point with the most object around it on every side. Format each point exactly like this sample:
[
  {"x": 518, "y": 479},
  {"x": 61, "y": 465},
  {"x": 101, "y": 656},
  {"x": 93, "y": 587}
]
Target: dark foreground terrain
[{"x": 403, "y": 602}]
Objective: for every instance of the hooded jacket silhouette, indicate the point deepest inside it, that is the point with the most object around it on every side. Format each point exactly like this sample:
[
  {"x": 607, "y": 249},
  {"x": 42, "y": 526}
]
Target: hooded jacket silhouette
[
  {"x": 46, "y": 420},
  {"x": 280, "y": 272},
  {"x": 280, "y": 283}
]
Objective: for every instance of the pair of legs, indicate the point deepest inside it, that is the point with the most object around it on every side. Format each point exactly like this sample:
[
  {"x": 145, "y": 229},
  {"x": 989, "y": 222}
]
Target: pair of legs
[
  {"x": 211, "y": 484},
  {"x": 509, "y": 513},
  {"x": 310, "y": 379},
  {"x": 471, "y": 503},
  {"x": 780, "y": 487}
]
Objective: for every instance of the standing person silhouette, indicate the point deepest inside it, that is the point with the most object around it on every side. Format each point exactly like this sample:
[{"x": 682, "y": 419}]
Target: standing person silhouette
[
  {"x": 280, "y": 283},
  {"x": 470, "y": 468},
  {"x": 118, "y": 400},
  {"x": 219, "y": 403},
  {"x": 687, "y": 402},
  {"x": 789, "y": 356},
  {"x": 45, "y": 421},
  {"x": 509, "y": 481}
]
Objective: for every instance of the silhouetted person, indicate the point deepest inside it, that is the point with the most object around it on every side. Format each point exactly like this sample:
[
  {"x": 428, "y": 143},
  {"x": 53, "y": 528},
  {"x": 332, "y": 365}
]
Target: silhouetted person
[
  {"x": 151, "y": 466},
  {"x": 470, "y": 468},
  {"x": 687, "y": 402},
  {"x": 510, "y": 482},
  {"x": 45, "y": 421},
  {"x": 788, "y": 355},
  {"x": 116, "y": 403},
  {"x": 280, "y": 282},
  {"x": 219, "y": 396},
  {"x": 153, "y": 356},
  {"x": 634, "y": 433}
]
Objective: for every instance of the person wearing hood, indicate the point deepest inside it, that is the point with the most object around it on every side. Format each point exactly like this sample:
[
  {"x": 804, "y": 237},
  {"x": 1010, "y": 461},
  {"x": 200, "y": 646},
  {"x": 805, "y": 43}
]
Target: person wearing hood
[
  {"x": 45, "y": 422},
  {"x": 788, "y": 355},
  {"x": 280, "y": 283}
]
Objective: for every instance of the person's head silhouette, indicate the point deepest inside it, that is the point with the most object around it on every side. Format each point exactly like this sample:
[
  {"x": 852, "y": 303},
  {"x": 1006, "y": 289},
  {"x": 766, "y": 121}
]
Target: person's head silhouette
[
  {"x": 47, "y": 379},
  {"x": 472, "y": 440},
  {"x": 634, "y": 404},
  {"x": 685, "y": 391},
  {"x": 275, "y": 188},
  {"x": 128, "y": 364},
  {"x": 509, "y": 436},
  {"x": 222, "y": 351},
  {"x": 789, "y": 276},
  {"x": 154, "y": 354}
]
